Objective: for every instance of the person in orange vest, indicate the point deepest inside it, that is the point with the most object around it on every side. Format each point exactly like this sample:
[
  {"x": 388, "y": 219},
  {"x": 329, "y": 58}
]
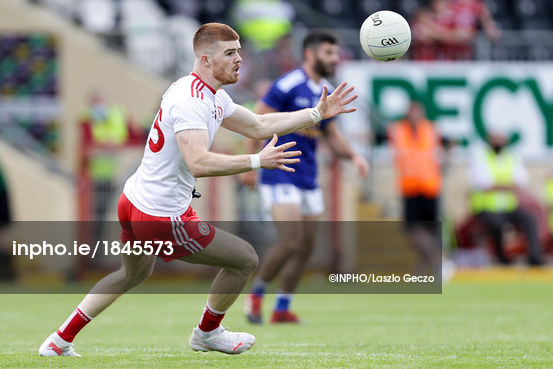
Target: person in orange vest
[
  {"x": 417, "y": 148},
  {"x": 498, "y": 178}
]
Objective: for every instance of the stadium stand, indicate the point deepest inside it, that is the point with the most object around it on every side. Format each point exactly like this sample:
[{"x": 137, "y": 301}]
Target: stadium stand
[
  {"x": 133, "y": 26},
  {"x": 502, "y": 13},
  {"x": 98, "y": 16}
]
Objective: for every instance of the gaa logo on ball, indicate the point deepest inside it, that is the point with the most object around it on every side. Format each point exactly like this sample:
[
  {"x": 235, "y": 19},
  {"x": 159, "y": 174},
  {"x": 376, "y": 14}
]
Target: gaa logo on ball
[{"x": 385, "y": 36}]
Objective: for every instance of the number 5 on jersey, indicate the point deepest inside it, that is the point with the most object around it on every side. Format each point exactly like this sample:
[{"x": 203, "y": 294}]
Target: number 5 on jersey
[{"x": 156, "y": 143}]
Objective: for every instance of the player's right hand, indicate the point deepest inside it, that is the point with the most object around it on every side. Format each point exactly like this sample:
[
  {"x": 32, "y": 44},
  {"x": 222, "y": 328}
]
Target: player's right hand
[
  {"x": 276, "y": 157},
  {"x": 336, "y": 103}
]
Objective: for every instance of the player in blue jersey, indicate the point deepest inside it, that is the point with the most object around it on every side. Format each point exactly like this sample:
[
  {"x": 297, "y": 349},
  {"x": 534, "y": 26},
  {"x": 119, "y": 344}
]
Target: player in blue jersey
[{"x": 295, "y": 199}]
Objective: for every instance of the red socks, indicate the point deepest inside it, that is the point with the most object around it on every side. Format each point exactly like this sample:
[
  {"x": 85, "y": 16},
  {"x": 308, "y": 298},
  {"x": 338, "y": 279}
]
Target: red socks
[
  {"x": 76, "y": 321},
  {"x": 211, "y": 319}
]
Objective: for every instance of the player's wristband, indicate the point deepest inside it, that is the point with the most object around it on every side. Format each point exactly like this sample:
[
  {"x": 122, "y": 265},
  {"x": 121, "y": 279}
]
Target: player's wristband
[
  {"x": 315, "y": 115},
  {"x": 255, "y": 160}
]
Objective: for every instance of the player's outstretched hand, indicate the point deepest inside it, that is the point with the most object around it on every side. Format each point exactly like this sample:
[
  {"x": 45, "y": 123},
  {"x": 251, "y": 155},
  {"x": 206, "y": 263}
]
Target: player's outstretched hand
[
  {"x": 331, "y": 105},
  {"x": 276, "y": 157}
]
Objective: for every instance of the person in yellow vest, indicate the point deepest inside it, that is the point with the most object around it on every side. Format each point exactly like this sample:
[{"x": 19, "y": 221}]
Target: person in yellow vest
[
  {"x": 263, "y": 22},
  {"x": 498, "y": 177},
  {"x": 104, "y": 127},
  {"x": 417, "y": 151}
]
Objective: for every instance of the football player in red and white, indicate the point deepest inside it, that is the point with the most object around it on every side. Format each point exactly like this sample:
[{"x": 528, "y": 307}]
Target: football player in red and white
[{"x": 155, "y": 204}]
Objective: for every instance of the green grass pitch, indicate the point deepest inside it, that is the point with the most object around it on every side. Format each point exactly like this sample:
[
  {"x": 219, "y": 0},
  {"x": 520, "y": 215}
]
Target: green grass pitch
[{"x": 471, "y": 325}]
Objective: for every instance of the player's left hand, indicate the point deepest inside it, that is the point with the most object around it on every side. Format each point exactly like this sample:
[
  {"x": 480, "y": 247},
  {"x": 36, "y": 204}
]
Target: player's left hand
[
  {"x": 362, "y": 165},
  {"x": 331, "y": 105},
  {"x": 276, "y": 157}
]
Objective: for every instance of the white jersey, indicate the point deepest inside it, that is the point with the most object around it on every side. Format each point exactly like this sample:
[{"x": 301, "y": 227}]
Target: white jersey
[{"x": 162, "y": 185}]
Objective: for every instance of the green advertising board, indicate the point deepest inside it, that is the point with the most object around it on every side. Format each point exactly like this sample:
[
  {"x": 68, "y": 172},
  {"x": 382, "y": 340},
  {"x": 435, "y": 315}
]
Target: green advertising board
[{"x": 466, "y": 100}]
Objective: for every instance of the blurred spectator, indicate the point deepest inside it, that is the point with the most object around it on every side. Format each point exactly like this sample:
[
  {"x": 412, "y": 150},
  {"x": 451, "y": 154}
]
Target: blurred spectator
[
  {"x": 263, "y": 22},
  {"x": 467, "y": 16},
  {"x": 104, "y": 127},
  {"x": 447, "y": 29},
  {"x": 498, "y": 178},
  {"x": 425, "y": 31},
  {"x": 471, "y": 14},
  {"x": 104, "y": 123},
  {"x": 417, "y": 147}
]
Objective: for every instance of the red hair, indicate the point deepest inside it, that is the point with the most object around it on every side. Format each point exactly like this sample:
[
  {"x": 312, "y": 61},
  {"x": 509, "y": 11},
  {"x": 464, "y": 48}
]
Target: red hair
[{"x": 210, "y": 33}]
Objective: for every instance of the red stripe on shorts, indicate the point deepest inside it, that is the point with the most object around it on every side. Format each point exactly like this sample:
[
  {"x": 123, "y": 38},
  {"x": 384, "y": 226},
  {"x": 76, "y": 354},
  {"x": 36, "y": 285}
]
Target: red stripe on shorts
[{"x": 187, "y": 233}]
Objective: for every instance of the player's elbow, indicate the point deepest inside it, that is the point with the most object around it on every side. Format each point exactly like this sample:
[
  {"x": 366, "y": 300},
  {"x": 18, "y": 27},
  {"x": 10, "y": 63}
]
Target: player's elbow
[{"x": 197, "y": 169}]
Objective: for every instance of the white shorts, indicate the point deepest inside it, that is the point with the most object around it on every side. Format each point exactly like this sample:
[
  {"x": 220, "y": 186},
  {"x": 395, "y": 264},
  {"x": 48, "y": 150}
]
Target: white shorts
[{"x": 310, "y": 201}]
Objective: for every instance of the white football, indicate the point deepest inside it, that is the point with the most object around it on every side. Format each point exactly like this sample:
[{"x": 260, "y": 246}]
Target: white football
[{"x": 385, "y": 35}]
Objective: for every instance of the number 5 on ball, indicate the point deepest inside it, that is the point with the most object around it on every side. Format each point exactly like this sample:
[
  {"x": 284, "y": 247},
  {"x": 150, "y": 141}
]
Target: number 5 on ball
[{"x": 385, "y": 36}]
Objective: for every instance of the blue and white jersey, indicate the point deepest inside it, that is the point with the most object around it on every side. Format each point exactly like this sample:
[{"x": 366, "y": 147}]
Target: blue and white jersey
[{"x": 295, "y": 91}]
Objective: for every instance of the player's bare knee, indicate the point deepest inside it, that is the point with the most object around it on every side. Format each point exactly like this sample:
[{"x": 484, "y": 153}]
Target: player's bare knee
[
  {"x": 253, "y": 263},
  {"x": 245, "y": 260},
  {"x": 251, "y": 260}
]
